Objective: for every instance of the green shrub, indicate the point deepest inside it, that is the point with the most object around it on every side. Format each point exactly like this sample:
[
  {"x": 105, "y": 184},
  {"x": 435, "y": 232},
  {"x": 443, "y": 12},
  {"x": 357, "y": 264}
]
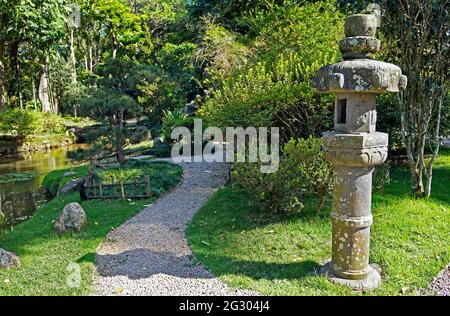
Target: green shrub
[
  {"x": 172, "y": 119},
  {"x": 163, "y": 175},
  {"x": 160, "y": 151},
  {"x": 303, "y": 177},
  {"x": 25, "y": 122},
  {"x": 273, "y": 89}
]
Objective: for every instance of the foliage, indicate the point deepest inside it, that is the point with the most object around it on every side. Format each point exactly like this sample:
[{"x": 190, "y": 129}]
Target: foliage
[
  {"x": 381, "y": 177},
  {"x": 388, "y": 121},
  {"x": 273, "y": 90},
  {"x": 220, "y": 53},
  {"x": 303, "y": 174},
  {"x": 23, "y": 123},
  {"x": 417, "y": 37},
  {"x": 276, "y": 254},
  {"x": 163, "y": 175},
  {"x": 115, "y": 100},
  {"x": 161, "y": 151},
  {"x": 45, "y": 255},
  {"x": 172, "y": 119}
]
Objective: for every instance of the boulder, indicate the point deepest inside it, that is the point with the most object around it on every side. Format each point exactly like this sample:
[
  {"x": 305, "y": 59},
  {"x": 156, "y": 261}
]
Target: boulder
[
  {"x": 71, "y": 186},
  {"x": 72, "y": 218},
  {"x": 8, "y": 260}
]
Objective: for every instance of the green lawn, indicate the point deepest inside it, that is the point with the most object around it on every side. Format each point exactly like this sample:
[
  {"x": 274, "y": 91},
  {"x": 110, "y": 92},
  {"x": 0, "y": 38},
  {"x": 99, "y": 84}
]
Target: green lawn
[
  {"x": 45, "y": 255},
  {"x": 274, "y": 255}
]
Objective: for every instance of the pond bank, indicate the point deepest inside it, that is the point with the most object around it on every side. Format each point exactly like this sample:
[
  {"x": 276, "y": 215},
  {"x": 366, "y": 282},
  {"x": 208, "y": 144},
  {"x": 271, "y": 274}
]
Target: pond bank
[
  {"x": 19, "y": 146},
  {"x": 19, "y": 200}
]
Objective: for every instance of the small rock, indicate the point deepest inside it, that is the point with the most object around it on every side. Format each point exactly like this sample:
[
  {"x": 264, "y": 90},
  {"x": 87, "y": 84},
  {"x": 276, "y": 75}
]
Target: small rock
[
  {"x": 72, "y": 218},
  {"x": 8, "y": 259}
]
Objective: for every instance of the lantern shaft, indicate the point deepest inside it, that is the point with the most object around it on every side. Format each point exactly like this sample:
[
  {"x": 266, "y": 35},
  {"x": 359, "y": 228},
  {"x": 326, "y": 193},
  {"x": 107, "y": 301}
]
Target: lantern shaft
[{"x": 354, "y": 148}]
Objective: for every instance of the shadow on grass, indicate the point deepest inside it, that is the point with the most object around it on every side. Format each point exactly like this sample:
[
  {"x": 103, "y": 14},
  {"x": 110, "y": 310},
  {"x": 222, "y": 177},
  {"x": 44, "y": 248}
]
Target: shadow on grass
[
  {"x": 258, "y": 270},
  {"x": 249, "y": 214}
]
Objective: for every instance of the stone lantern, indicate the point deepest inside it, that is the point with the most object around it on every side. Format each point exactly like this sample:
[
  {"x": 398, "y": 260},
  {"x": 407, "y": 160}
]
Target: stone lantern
[{"x": 354, "y": 147}]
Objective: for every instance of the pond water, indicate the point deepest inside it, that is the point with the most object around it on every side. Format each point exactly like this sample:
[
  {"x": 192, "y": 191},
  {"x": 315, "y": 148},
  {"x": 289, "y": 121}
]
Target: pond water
[{"x": 19, "y": 200}]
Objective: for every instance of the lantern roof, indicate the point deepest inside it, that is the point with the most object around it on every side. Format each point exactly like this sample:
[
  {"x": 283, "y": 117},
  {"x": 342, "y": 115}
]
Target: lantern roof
[{"x": 358, "y": 72}]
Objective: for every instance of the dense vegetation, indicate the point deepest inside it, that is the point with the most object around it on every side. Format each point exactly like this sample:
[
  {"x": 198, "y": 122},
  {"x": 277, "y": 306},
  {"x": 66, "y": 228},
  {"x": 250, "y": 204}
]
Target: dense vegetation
[
  {"x": 232, "y": 63},
  {"x": 141, "y": 68}
]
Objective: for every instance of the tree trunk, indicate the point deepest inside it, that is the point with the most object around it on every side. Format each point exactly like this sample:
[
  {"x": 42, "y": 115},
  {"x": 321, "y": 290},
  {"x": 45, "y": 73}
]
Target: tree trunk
[
  {"x": 44, "y": 91},
  {"x": 73, "y": 58},
  {"x": 2, "y": 79},
  {"x": 33, "y": 87},
  {"x": 114, "y": 44},
  {"x": 120, "y": 154},
  {"x": 14, "y": 57},
  {"x": 91, "y": 60},
  {"x": 429, "y": 176}
]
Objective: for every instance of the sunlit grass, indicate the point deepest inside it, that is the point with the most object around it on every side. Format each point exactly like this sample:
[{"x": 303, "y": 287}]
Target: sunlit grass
[{"x": 275, "y": 254}]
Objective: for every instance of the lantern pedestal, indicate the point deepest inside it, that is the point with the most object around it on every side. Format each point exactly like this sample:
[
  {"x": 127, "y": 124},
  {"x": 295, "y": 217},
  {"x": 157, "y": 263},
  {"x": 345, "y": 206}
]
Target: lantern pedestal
[
  {"x": 354, "y": 147},
  {"x": 370, "y": 282}
]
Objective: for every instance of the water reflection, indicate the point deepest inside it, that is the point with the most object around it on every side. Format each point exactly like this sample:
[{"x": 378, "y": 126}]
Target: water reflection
[{"x": 19, "y": 200}]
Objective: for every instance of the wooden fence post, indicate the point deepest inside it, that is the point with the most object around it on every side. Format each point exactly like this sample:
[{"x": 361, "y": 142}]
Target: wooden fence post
[
  {"x": 94, "y": 185},
  {"x": 122, "y": 191},
  {"x": 148, "y": 188}
]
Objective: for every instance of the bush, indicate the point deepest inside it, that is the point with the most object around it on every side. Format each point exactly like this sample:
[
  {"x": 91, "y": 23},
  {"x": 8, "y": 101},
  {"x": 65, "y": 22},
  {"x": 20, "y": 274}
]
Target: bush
[
  {"x": 172, "y": 119},
  {"x": 163, "y": 175},
  {"x": 25, "y": 122},
  {"x": 303, "y": 176},
  {"x": 273, "y": 89}
]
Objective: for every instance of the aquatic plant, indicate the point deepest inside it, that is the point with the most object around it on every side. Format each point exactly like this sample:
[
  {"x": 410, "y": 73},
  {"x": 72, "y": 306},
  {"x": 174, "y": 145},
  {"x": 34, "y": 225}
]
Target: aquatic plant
[{"x": 17, "y": 177}]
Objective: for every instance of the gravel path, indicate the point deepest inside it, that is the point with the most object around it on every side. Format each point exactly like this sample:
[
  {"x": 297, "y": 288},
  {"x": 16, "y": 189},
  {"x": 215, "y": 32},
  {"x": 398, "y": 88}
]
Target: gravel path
[
  {"x": 441, "y": 284},
  {"x": 149, "y": 254}
]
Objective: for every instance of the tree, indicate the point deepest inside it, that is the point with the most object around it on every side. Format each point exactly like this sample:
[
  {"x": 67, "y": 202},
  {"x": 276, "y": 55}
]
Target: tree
[
  {"x": 418, "y": 34},
  {"x": 114, "y": 101},
  {"x": 125, "y": 29},
  {"x": 6, "y": 13},
  {"x": 41, "y": 24}
]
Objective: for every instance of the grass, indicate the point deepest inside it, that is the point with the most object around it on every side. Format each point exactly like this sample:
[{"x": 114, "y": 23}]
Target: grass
[
  {"x": 274, "y": 254},
  {"x": 45, "y": 256},
  {"x": 162, "y": 175},
  {"x": 140, "y": 147}
]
